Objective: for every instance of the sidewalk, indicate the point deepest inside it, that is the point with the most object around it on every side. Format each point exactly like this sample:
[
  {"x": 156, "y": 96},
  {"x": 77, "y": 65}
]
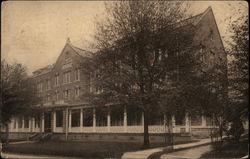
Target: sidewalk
[
  {"x": 146, "y": 153},
  {"x": 21, "y": 142},
  {"x": 24, "y": 156}
]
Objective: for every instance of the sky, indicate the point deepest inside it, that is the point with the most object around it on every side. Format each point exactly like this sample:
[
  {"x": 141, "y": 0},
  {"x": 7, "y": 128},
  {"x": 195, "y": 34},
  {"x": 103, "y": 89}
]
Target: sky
[{"x": 34, "y": 32}]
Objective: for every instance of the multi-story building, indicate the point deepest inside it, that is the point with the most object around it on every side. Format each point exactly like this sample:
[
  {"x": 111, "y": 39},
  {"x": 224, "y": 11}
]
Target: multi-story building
[{"x": 67, "y": 113}]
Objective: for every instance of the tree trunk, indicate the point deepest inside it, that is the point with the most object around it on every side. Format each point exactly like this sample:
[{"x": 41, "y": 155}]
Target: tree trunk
[
  {"x": 170, "y": 130},
  {"x": 146, "y": 134},
  {"x": 7, "y": 134}
]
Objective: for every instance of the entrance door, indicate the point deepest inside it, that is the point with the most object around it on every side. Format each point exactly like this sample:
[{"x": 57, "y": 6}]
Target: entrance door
[{"x": 47, "y": 122}]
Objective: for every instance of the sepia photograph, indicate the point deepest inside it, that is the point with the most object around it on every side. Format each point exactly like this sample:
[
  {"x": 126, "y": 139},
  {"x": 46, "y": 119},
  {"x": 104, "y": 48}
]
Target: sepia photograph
[{"x": 142, "y": 79}]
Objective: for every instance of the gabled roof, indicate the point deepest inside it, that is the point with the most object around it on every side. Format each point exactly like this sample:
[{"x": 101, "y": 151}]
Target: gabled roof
[
  {"x": 80, "y": 51},
  {"x": 43, "y": 70},
  {"x": 48, "y": 68},
  {"x": 193, "y": 20}
]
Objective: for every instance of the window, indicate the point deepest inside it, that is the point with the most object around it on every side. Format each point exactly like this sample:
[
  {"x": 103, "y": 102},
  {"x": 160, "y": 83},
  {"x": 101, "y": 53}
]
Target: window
[
  {"x": 57, "y": 79},
  {"x": 77, "y": 74},
  {"x": 212, "y": 58},
  {"x": 75, "y": 117},
  {"x": 45, "y": 98},
  {"x": 40, "y": 87},
  {"x": 66, "y": 94},
  {"x": 48, "y": 97},
  {"x": 66, "y": 77},
  {"x": 160, "y": 54},
  {"x": 47, "y": 84},
  {"x": 56, "y": 95},
  {"x": 98, "y": 89},
  {"x": 88, "y": 117},
  {"x": 77, "y": 92},
  {"x": 59, "y": 118}
]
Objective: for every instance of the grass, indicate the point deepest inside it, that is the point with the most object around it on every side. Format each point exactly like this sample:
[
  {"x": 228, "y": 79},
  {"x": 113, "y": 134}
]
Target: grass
[
  {"x": 229, "y": 149},
  {"x": 86, "y": 149}
]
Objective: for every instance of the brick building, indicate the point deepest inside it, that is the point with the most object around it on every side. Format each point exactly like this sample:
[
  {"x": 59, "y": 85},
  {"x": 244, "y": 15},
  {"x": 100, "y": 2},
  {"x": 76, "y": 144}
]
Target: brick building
[{"x": 69, "y": 117}]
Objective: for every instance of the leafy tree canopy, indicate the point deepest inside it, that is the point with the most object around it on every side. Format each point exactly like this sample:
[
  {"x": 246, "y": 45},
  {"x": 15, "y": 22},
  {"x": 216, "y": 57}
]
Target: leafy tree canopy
[{"x": 18, "y": 92}]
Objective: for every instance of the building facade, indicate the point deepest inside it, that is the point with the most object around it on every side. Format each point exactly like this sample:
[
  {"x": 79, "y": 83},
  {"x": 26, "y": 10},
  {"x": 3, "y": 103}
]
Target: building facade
[{"x": 67, "y": 114}]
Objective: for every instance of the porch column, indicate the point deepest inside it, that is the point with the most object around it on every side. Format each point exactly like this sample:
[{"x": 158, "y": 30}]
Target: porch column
[
  {"x": 186, "y": 123},
  {"x": 203, "y": 121},
  {"x": 66, "y": 123},
  {"x": 42, "y": 126},
  {"x": 54, "y": 121},
  {"x": 173, "y": 124},
  {"x": 17, "y": 123},
  {"x": 165, "y": 122},
  {"x": 125, "y": 119},
  {"x": 81, "y": 120},
  {"x": 108, "y": 117},
  {"x": 70, "y": 118},
  {"x": 94, "y": 120}
]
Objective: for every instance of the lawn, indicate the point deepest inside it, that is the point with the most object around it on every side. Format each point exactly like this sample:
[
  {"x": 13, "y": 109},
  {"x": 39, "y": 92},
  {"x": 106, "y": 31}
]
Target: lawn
[
  {"x": 87, "y": 149},
  {"x": 229, "y": 149}
]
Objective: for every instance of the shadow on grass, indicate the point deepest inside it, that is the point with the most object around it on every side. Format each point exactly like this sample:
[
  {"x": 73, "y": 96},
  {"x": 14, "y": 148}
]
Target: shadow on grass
[{"x": 229, "y": 149}]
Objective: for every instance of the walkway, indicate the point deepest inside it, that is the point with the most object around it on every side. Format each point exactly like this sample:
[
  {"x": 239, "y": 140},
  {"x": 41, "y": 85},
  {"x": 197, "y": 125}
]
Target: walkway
[
  {"x": 24, "y": 156},
  {"x": 191, "y": 153},
  {"x": 146, "y": 153},
  {"x": 21, "y": 142}
]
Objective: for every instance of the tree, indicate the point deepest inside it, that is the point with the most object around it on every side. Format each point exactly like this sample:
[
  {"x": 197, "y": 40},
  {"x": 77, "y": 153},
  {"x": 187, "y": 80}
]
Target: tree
[
  {"x": 18, "y": 93},
  {"x": 138, "y": 50},
  {"x": 239, "y": 72}
]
